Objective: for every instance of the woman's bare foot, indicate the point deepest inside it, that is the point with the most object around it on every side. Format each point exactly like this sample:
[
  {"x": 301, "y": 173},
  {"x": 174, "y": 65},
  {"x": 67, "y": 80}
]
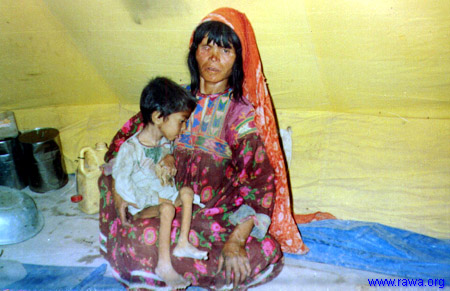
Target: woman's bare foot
[
  {"x": 189, "y": 251},
  {"x": 171, "y": 277}
]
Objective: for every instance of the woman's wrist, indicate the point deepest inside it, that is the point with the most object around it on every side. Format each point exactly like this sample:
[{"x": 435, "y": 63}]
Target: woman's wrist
[
  {"x": 241, "y": 233},
  {"x": 261, "y": 221}
]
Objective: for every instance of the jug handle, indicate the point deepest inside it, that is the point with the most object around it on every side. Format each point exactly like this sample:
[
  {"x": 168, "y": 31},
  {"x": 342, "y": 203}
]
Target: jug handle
[{"x": 82, "y": 153}]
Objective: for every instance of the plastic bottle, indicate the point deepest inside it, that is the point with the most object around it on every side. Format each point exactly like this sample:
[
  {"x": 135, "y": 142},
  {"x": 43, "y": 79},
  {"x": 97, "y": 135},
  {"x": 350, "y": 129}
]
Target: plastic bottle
[{"x": 88, "y": 172}]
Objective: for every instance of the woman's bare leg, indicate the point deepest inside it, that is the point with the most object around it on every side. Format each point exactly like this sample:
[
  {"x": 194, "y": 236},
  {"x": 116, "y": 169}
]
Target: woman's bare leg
[
  {"x": 164, "y": 268},
  {"x": 184, "y": 248}
]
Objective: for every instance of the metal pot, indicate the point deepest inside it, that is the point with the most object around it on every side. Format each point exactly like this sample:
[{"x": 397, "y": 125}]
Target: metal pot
[
  {"x": 43, "y": 159},
  {"x": 12, "y": 169}
]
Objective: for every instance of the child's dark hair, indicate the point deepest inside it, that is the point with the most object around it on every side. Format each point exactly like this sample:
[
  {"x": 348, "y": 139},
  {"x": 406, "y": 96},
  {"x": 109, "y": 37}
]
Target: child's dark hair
[{"x": 164, "y": 95}]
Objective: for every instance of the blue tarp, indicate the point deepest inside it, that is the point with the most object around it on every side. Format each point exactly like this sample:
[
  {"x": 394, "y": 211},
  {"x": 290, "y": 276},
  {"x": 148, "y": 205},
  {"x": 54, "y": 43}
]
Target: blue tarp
[
  {"x": 376, "y": 248},
  {"x": 360, "y": 245},
  {"x": 43, "y": 277}
]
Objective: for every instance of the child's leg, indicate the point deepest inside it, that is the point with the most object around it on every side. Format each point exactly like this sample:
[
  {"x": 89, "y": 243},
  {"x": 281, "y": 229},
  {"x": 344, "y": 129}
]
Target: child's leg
[
  {"x": 149, "y": 212},
  {"x": 187, "y": 197},
  {"x": 184, "y": 248},
  {"x": 164, "y": 268}
]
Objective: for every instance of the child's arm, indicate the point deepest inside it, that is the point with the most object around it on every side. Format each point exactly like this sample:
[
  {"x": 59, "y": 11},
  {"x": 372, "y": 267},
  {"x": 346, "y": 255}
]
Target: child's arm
[
  {"x": 121, "y": 205},
  {"x": 121, "y": 172}
]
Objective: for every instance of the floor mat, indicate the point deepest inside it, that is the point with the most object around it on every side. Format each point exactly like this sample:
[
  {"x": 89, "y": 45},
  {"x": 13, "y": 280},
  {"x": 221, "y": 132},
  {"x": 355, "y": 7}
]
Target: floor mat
[
  {"x": 358, "y": 245},
  {"x": 376, "y": 248},
  {"x": 42, "y": 277}
]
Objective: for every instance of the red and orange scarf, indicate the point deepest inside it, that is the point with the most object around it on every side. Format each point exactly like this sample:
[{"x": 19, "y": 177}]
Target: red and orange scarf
[{"x": 283, "y": 226}]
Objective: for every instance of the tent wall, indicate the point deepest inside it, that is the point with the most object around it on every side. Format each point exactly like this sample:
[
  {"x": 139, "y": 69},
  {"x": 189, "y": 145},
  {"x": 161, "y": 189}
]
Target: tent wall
[{"x": 364, "y": 84}]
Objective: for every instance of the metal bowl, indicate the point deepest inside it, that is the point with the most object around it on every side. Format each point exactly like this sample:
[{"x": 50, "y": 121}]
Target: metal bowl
[{"x": 19, "y": 217}]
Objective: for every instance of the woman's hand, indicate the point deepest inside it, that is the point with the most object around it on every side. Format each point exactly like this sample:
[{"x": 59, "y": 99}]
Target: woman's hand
[
  {"x": 234, "y": 257},
  {"x": 166, "y": 170}
]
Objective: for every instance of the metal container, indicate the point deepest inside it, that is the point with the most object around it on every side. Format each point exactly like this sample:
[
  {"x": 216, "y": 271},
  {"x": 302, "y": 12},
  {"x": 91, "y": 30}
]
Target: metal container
[
  {"x": 8, "y": 126},
  {"x": 43, "y": 159},
  {"x": 19, "y": 217},
  {"x": 12, "y": 171}
]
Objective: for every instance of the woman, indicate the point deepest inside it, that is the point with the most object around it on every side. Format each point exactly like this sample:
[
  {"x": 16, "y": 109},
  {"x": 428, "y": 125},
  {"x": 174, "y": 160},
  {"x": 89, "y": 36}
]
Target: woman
[{"x": 230, "y": 155}]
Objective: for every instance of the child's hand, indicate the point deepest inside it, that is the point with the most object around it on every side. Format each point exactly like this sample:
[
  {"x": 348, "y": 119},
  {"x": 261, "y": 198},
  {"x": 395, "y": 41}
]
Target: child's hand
[
  {"x": 121, "y": 206},
  {"x": 163, "y": 176},
  {"x": 165, "y": 170},
  {"x": 168, "y": 162}
]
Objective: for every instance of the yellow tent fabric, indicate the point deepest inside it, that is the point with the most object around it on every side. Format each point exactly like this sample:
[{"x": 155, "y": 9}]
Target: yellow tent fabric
[{"x": 365, "y": 86}]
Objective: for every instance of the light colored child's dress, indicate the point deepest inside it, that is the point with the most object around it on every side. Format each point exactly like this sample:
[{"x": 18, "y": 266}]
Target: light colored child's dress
[{"x": 135, "y": 177}]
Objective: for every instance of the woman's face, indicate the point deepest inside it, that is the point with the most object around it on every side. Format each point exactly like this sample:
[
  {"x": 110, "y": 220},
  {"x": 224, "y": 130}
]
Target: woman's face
[{"x": 215, "y": 64}]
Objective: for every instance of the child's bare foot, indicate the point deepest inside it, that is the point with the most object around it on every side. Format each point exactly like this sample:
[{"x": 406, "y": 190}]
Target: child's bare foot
[
  {"x": 189, "y": 251},
  {"x": 171, "y": 277}
]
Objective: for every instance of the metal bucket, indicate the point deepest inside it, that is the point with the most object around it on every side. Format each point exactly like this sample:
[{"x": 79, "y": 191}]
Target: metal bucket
[
  {"x": 43, "y": 159},
  {"x": 12, "y": 171}
]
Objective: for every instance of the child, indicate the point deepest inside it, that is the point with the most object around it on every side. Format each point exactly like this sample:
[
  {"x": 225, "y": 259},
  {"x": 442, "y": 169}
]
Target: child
[{"x": 165, "y": 108}]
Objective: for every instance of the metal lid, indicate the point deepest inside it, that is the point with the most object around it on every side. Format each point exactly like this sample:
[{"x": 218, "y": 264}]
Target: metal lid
[{"x": 39, "y": 135}]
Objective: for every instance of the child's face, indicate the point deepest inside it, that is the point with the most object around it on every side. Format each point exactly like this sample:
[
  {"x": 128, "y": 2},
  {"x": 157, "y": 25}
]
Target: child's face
[{"x": 174, "y": 124}]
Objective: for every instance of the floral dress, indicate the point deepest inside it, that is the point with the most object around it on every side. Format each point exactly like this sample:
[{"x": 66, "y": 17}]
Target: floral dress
[{"x": 221, "y": 157}]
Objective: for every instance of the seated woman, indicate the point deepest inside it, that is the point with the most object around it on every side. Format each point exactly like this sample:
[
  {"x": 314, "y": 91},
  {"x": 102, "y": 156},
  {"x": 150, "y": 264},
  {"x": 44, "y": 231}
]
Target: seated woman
[{"x": 229, "y": 155}]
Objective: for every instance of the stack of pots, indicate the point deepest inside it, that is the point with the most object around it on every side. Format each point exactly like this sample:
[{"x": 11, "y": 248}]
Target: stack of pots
[{"x": 32, "y": 158}]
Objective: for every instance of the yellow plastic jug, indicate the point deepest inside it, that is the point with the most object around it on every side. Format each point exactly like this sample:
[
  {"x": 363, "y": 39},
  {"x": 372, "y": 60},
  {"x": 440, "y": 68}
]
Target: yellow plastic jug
[{"x": 88, "y": 173}]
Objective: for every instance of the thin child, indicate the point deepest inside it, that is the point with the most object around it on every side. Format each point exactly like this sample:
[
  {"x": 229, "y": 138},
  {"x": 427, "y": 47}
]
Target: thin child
[{"x": 165, "y": 108}]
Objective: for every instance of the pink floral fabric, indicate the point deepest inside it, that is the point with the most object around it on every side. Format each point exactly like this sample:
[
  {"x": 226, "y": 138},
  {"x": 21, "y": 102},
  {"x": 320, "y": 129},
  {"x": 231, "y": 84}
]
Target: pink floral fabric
[{"x": 223, "y": 159}]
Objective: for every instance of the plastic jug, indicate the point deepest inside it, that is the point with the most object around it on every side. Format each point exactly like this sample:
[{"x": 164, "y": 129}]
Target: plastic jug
[{"x": 88, "y": 173}]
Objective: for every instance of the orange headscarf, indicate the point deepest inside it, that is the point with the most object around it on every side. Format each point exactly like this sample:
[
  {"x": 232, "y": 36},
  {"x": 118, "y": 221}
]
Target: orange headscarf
[{"x": 283, "y": 226}]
